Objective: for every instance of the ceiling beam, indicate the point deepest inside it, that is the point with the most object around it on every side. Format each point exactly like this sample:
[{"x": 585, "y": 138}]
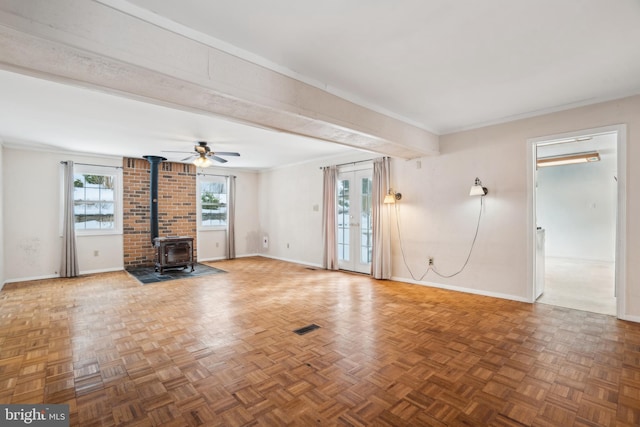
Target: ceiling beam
[{"x": 92, "y": 45}]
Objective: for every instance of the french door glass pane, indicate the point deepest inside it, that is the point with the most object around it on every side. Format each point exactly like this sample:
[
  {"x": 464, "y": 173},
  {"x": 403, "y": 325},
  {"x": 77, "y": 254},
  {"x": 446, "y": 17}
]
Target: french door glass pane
[
  {"x": 343, "y": 220},
  {"x": 365, "y": 222}
]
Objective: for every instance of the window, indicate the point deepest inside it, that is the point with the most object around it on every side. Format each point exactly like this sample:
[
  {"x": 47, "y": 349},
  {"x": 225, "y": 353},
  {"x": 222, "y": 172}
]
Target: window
[
  {"x": 366, "y": 226},
  {"x": 213, "y": 202},
  {"x": 96, "y": 203},
  {"x": 343, "y": 220}
]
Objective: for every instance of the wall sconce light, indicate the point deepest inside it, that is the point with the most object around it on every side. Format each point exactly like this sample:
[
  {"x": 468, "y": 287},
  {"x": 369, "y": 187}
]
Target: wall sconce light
[
  {"x": 391, "y": 197},
  {"x": 477, "y": 189}
]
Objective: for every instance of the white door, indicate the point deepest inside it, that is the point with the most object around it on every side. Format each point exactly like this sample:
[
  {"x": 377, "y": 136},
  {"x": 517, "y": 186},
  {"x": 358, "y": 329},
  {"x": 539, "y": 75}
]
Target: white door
[{"x": 354, "y": 221}]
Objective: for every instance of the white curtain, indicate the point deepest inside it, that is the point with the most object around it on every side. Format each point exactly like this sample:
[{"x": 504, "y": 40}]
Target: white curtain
[
  {"x": 381, "y": 251},
  {"x": 329, "y": 218},
  {"x": 69, "y": 262},
  {"x": 231, "y": 218}
]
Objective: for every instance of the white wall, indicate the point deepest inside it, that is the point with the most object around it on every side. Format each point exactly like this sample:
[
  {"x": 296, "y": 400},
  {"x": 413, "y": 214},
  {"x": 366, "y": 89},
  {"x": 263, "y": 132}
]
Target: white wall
[
  {"x": 212, "y": 243},
  {"x": 438, "y": 217},
  {"x": 287, "y": 215},
  {"x": 290, "y": 206},
  {"x": 1, "y": 217},
  {"x": 576, "y": 205},
  {"x": 32, "y": 241}
]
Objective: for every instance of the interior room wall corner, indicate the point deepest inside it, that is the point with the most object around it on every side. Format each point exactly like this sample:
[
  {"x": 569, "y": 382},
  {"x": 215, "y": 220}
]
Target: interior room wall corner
[{"x": 2, "y": 215}]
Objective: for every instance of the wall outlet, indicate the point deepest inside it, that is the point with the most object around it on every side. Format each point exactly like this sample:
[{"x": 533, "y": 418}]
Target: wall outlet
[
  {"x": 217, "y": 244},
  {"x": 430, "y": 260},
  {"x": 96, "y": 253},
  {"x": 287, "y": 246}
]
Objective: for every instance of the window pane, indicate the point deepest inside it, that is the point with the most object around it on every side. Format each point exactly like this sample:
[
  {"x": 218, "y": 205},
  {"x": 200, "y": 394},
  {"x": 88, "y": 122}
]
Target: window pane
[
  {"x": 213, "y": 198},
  {"x": 343, "y": 220},
  {"x": 94, "y": 202},
  {"x": 365, "y": 222},
  {"x": 106, "y": 221}
]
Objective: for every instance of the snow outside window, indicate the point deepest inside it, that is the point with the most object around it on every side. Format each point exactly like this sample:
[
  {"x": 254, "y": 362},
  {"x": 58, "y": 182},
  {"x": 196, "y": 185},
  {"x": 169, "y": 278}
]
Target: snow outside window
[
  {"x": 213, "y": 202},
  {"x": 94, "y": 201},
  {"x": 97, "y": 200}
]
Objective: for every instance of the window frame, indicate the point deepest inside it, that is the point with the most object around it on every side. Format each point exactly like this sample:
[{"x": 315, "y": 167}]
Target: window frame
[
  {"x": 116, "y": 173},
  {"x": 202, "y": 179}
]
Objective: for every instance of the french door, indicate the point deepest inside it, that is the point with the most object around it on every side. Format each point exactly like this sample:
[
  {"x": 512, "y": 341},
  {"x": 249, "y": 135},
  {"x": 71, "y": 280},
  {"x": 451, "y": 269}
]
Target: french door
[{"x": 354, "y": 220}]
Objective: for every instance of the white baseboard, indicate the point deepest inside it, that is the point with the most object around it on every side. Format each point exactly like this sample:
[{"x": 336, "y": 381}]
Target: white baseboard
[
  {"x": 463, "y": 289},
  {"x": 628, "y": 318},
  {"x": 224, "y": 258},
  {"x": 102, "y": 270},
  {"x": 211, "y": 259},
  {"x": 293, "y": 261},
  {"x": 57, "y": 276},
  {"x": 28, "y": 279},
  {"x": 248, "y": 255}
]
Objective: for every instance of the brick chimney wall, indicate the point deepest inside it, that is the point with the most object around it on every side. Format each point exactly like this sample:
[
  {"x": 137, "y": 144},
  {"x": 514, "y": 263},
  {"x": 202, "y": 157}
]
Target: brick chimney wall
[{"x": 177, "y": 215}]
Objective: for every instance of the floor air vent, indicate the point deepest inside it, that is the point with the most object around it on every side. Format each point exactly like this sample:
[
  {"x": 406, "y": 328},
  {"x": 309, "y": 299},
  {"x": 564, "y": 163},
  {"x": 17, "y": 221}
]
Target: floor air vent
[{"x": 307, "y": 329}]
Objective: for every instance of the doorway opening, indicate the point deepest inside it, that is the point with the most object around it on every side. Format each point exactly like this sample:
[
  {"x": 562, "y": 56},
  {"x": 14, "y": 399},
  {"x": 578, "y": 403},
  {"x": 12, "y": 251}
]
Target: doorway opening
[
  {"x": 578, "y": 195},
  {"x": 354, "y": 219}
]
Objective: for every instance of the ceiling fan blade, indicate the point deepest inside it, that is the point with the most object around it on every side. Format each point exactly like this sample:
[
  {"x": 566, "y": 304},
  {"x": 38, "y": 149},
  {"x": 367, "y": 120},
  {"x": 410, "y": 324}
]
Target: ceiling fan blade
[
  {"x": 227, "y": 153},
  {"x": 188, "y": 158},
  {"x": 218, "y": 159},
  {"x": 171, "y": 151}
]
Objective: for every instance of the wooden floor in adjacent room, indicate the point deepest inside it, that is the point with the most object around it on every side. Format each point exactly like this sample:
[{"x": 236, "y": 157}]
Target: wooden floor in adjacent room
[{"x": 219, "y": 350}]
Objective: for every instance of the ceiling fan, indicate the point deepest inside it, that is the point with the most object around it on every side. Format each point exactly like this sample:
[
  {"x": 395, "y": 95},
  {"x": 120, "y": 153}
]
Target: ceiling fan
[{"x": 203, "y": 154}]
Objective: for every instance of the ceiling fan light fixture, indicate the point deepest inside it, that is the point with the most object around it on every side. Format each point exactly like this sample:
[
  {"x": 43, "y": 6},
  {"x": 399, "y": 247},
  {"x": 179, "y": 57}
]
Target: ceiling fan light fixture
[
  {"x": 202, "y": 162},
  {"x": 203, "y": 155}
]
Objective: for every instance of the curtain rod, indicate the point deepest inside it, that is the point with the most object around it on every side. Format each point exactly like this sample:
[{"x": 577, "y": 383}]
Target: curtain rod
[
  {"x": 213, "y": 174},
  {"x": 64, "y": 162},
  {"x": 350, "y": 163}
]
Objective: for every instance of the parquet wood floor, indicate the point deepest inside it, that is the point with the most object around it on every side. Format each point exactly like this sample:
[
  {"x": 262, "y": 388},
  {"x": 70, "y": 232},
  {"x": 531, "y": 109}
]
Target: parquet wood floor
[{"x": 219, "y": 350}]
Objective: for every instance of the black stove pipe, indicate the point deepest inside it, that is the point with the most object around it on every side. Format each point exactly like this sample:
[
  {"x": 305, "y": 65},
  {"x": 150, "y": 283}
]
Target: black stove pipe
[{"x": 154, "y": 161}]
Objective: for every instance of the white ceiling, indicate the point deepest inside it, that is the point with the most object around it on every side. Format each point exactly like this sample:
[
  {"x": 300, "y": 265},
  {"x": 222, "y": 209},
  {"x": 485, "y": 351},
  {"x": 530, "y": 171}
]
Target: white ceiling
[
  {"x": 605, "y": 144},
  {"x": 438, "y": 64},
  {"x": 443, "y": 65},
  {"x": 54, "y": 116}
]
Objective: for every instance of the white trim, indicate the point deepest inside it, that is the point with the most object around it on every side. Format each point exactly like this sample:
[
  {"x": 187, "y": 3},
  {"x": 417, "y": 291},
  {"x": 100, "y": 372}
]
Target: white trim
[
  {"x": 220, "y": 258},
  {"x": 118, "y": 208},
  {"x": 621, "y": 224},
  {"x": 461, "y": 289},
  {"x": 226, "y": 259},
  {"x": 248, "y": 255},
  {"x": 57, "y": 276},
  {"x": 200, "y": 179},
  {"x": 621, "y": 215},
  {"x": 629, "y": 318},
  {"x": 102, "y": 270},
  {"x": 531, "y": 159},
  {"x": 44, "y": 148},
  {"x": 29, "y": 279},
  {"x": 293, "y": 261}
]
